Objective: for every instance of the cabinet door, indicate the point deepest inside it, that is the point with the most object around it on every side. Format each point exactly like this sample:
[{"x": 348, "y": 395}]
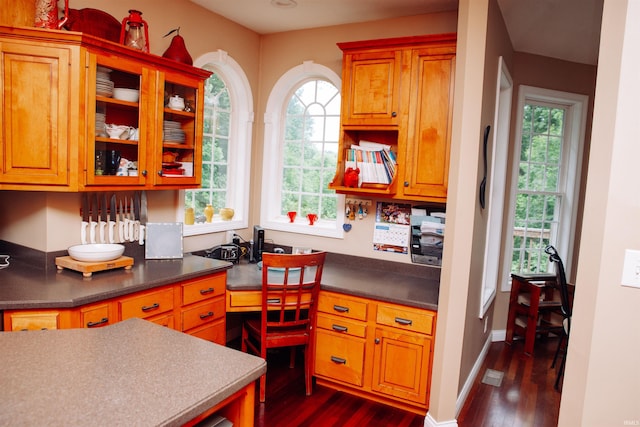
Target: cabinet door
[
  {"x": 117, "y": 157},
  {"x": 409, "y": 351},
  {"x": 372, "y": 88},
  {"x": 177, "y": 153},
  {"x": 429, "y": 135},
  {"x": 38, "y": 126}
]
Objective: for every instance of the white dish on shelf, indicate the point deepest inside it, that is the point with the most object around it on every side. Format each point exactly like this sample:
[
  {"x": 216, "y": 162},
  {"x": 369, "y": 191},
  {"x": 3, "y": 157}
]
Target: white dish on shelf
[
  {"x": 96, "y": 252},
  {"x": 125, "y": 94}
]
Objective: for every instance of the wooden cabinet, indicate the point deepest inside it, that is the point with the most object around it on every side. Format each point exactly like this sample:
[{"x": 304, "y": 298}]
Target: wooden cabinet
[
  {"x": 32, "y": 321},
  {"x": 195, "y": 306},
  {"x": 39, "y": 114},
  {"x": 62, "y": 80},
  {"x": 399, "y": 93},
  {"x": 360, "y": 345},
  {"x": 203, "y": 312}
]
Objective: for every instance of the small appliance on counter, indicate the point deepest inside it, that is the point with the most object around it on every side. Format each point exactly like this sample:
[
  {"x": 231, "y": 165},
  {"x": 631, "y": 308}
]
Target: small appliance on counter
[
  {"x": 229, "y": 252},
  {"x": 427, "y": 236},
  {"x": 258, "y": 243}
]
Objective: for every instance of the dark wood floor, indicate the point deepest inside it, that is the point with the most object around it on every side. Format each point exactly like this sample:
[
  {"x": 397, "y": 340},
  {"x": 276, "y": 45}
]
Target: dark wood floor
[{"x": 526, "y": 396}]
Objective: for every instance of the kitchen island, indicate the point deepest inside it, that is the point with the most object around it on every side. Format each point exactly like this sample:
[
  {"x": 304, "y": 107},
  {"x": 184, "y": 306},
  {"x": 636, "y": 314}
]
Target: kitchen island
[{"x": 131, "y": 373}]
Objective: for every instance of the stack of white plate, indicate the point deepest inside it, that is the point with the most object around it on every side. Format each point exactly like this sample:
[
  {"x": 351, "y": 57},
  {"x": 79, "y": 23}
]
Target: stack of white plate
[
  {"x": 173, "y": 132},
  {"x": 100, "y": 128},
  {"x": 104, "y": 85}
]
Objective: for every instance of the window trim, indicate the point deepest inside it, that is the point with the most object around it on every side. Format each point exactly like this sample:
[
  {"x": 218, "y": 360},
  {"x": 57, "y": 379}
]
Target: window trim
[
  {"x": 274, "y": 120},
  {"x": 497, "y": 186},
  {"x": 240, "y": 132},
  {"x": 576, "y": 128}
]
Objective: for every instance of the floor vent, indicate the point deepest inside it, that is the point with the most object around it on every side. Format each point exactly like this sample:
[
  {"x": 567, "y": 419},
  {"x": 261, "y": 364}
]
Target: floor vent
[{"x": 493, "y": 378}]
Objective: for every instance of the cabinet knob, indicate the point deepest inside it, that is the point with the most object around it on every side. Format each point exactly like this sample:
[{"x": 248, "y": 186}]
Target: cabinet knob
[
  {"x": 159, "y": 173},
  {"x": 406, "y": 183},
  {"x": 377, "y": 340},
  {"x": 394, "y": 114},
  {"x": 144, "y": 172}
]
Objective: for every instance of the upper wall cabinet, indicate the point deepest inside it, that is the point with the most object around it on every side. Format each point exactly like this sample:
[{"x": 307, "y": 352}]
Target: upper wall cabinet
[
  {"x": 65, "y": 127},
  {"x": 398, "y": 94}
]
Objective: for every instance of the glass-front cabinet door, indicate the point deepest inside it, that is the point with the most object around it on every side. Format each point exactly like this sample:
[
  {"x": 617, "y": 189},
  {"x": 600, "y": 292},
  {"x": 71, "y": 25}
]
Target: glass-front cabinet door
[
  {"x": 117, "y": 125},
  {"x": 178, "y": 156}
]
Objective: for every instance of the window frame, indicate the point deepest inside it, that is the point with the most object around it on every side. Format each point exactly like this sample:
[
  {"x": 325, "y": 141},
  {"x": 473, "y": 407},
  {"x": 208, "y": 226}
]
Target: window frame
[
  {"x": 572, "y": 152},
  {"x": 240, "y": 138},
  {"x": 274, "y": 123}
]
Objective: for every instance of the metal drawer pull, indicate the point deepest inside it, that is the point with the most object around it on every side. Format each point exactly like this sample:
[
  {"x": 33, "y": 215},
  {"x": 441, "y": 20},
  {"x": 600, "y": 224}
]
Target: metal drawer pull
[
  {"x": 150, "y": 307},
  {"x": 339, "y": 328},
  {"x": 205, "y": 315},
  {"x": 402, "y": 321},
  {"x": 273, "y": 300},
  {"x": 98, "y": 323},
  {"x": 206, "y": 291},
  {"x": 340, "y": 308},
  {"x": 338, "y": 360}
]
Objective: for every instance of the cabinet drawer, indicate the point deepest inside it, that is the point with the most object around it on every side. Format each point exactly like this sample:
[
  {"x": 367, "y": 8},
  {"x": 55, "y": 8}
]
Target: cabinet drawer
[
  {"x": 342, "y": 306},
  {"x": 215, "y": 332},
  {"x": 148, "y": 304},
  {"x": 201, "y": 289},
  {"x": 405, "y": 318},
  {"x": 34, "y": 321},
  {"x": 166, "y": 320},
  {"x": 202, "y": 313},
  {"x": 341, "y": 326},
  {"x": 95, "y": 316},
  {"x": 339, "y": 357}
]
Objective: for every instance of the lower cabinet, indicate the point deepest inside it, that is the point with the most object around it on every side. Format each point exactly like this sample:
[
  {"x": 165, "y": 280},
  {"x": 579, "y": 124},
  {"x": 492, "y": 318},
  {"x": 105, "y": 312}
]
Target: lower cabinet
[
  {"x": 373, "y": 349},
  {"x": 196, "y": 307}
]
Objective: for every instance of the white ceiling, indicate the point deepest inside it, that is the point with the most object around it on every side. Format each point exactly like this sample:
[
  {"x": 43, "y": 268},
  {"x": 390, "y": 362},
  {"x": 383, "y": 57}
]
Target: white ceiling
[{"x": 565, "y": 29}]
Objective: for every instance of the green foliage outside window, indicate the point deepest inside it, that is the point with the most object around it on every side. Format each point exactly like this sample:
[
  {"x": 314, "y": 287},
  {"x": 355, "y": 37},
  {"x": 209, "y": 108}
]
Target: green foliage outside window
[
  {"x": 538, "y": 195},
  {"x": 310, "y": 150}
]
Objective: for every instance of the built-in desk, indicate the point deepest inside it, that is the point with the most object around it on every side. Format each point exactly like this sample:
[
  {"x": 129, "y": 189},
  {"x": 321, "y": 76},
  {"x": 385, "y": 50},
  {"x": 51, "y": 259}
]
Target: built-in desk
[{"x": 412, "y": 285}]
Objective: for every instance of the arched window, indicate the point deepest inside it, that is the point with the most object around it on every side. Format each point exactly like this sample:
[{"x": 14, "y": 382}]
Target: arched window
[
  {"x": 226, "y": 147},
  {"x": 302, "y": 127}
]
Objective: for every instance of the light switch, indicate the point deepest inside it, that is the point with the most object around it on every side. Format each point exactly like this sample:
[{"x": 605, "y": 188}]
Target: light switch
[{"x": 631, "y": 269}]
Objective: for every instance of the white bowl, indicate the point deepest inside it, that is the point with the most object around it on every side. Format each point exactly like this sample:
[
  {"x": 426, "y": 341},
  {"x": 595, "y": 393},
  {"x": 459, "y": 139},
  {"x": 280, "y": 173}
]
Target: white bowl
[
  {"x": 124, "y": 94},
  {"x": 96, "y": 252}
]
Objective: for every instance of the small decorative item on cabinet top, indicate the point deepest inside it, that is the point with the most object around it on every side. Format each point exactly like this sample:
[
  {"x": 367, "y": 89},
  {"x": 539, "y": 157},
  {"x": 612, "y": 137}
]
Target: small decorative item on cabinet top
[
  {"x": 177, "y": 50},
  {"x": 136, "y": 35},
  {"x": 47, "y": 14}
]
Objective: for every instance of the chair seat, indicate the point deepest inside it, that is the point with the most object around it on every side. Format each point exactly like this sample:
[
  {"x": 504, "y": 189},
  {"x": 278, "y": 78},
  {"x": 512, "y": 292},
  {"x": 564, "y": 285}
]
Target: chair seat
[{"x": 284, "y": 337}]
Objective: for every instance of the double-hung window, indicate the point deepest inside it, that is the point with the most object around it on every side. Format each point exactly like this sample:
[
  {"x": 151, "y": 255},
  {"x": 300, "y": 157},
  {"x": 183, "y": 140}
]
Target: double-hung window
[{"x": 546, "y": 178}]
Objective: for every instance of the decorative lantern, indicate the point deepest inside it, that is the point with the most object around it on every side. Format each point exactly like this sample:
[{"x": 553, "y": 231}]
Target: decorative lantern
[{"x": 136, "y": 35}]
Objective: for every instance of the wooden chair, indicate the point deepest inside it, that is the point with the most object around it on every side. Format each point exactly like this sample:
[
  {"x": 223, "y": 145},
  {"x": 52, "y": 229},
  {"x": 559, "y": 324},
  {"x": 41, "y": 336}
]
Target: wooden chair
[{"x": 290, "y": 286}]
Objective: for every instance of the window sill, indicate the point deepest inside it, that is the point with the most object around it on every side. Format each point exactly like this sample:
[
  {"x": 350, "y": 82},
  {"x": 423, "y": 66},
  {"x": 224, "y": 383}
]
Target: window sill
[
  {"x": 215, "y": 226},
  {"x": 319, "y": 228}
]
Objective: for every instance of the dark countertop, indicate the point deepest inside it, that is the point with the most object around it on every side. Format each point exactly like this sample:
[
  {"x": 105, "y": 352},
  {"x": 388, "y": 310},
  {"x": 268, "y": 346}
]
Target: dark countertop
[
  {"x": 408, "y": 284},
  {"x": 23, "y": 286},
  {"x": 130, "y": 373}
]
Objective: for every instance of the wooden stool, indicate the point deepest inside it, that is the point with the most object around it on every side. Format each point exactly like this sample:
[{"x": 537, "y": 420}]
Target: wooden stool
[{"x": 531, "y": 304}]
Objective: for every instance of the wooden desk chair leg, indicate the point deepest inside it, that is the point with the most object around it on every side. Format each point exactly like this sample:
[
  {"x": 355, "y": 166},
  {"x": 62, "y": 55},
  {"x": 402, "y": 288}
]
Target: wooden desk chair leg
[
  {"x": 308, "y": 374},
  {"x": 292, "y": 357}
]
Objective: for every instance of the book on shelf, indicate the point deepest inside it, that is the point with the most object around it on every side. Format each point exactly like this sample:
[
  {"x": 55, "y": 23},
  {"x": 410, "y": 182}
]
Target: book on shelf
[{"x": 376, "y": 162}]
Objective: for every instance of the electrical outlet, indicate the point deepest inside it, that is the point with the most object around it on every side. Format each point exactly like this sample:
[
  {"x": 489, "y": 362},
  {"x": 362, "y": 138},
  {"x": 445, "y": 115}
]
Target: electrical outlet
[{"x": 631, "y": 269}]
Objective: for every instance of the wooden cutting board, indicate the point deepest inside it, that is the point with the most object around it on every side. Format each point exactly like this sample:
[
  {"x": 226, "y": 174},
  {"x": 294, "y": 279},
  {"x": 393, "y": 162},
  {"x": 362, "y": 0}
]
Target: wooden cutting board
[{"x": 88, "y": 268}]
